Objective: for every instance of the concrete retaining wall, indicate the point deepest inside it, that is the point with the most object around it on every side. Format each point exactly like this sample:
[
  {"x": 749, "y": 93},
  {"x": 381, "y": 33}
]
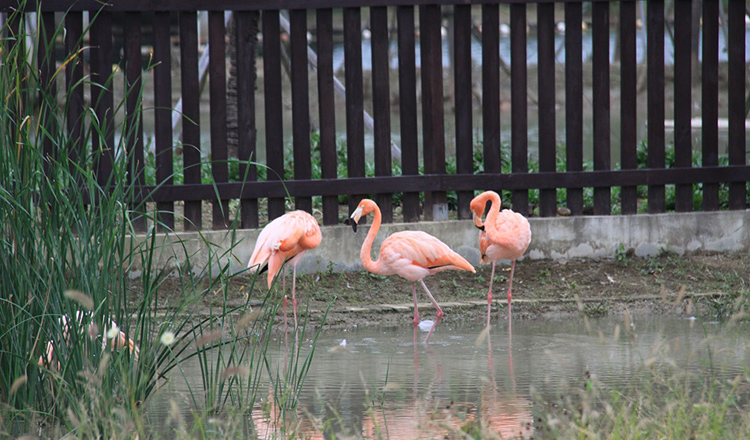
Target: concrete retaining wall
[{"x": 558, "y": 238}]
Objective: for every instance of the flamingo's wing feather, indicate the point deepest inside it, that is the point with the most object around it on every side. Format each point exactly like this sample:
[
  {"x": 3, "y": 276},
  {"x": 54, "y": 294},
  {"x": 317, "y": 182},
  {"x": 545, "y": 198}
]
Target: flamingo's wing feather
[
  {"x": 422, "y": 250},
  {"x": 511, "y": 231},
  {"x": 282, "y": 239}
]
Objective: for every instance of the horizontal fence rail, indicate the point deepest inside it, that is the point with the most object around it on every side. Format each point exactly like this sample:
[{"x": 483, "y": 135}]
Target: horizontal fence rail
[{"x": 270, "y": 66}]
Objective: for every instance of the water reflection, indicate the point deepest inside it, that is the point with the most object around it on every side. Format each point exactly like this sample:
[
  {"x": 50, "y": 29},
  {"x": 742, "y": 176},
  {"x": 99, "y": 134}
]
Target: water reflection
[{"x": 385, "y": 383}]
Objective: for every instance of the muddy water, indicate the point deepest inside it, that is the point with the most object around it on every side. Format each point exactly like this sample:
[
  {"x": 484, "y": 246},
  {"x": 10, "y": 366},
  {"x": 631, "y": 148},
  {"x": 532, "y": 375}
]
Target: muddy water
[{"x": 382, "y": 383}]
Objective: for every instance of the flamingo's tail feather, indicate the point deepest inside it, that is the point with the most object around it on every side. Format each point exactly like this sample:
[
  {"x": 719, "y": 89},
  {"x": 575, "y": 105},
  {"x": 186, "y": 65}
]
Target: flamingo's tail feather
[{"x": 274, "y": 266}]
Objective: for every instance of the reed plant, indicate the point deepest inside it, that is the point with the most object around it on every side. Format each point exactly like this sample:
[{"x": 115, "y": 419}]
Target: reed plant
[{"x": 68, "y": 254}]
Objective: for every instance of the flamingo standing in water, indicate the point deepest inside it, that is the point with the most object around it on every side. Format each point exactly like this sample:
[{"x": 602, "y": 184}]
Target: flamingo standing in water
[
  {"x": 410, "y": 254},
  {"x": 505, "y": 235},
  {"x": 285, "y": 239}
]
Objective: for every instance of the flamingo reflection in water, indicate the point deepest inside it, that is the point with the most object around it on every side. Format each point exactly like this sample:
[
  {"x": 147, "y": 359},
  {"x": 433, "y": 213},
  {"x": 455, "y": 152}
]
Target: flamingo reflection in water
[
  {"x": 508, "y": 415},
  {"x": 434, "y": 412}
]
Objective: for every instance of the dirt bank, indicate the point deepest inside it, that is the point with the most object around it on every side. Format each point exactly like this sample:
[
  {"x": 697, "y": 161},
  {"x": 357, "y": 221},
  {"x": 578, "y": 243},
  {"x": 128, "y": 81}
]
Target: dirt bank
[{"x": 706, "y": 284}]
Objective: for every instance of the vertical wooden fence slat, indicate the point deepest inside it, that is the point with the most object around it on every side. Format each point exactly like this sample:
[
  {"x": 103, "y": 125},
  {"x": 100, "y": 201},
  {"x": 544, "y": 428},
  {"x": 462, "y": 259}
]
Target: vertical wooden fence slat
[
  {"x": 736, "y": 86},
  {"x": 574, "y": 100},
  {"x": 73, "y": 77},
  {"x": 710, "y": 99},
  {"x": 133, "y": 111},
  {"x": 655, "y": 81},
  {"x": 102, "y": 96},
  {"x": 683, "y": 143},
  {"x": 46, "y": 62},
  {"x": 381, "y": 103},
  {"x": 600, "y": 79},
  {"x": 217, "y": 76},
  {"x": 246, "y": 29},
  {"x": 191, "y": 124},
  {"x": 326, "y": 111},
  {"x": 355, "y": 124},
  {"x": 14, "y": 41},
  {"x": 628, "y": 100},
  {"x": 273, "y": 106},
  {"x": 163, "y": 113},
  {"x": 519, "y": 139},
  {"x": 300, "y": 102},
  {"x": 407, "y": 88},
  {"x": 433, "y": 117},
  {"x": 491, "y": 89},
  {"x": 547, "y": 137},
  {"x": 463, "y": 91}
]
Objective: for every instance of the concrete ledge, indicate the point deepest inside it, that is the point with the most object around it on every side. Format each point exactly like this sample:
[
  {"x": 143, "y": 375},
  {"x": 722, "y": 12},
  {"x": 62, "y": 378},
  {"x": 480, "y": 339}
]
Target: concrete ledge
[{"x": 558, "y": 238}]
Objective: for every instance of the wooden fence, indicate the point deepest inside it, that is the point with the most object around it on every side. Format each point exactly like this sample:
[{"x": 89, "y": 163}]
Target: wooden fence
[{"x": 264, "y": 16}]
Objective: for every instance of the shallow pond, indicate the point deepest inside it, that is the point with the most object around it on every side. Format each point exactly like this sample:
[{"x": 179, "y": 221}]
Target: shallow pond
[{"x": 383, "y": 384}]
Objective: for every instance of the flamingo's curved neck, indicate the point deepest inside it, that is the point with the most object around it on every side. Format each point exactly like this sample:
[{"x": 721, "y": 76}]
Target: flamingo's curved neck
[
  {"x": 367, "y": 262},
  {"x": 494, "y": 207}
]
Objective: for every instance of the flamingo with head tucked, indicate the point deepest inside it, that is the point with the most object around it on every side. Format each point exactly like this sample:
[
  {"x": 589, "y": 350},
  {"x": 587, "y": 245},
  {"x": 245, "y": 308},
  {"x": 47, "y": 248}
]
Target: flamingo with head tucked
[
  {"x": 286, "y": 238},
  {"x": 505, "y": 236},
  {"x": 410, "y": 254}
]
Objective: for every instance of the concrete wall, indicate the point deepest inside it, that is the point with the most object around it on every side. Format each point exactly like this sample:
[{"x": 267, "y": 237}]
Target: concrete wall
[{"x": 558, "y": 238}]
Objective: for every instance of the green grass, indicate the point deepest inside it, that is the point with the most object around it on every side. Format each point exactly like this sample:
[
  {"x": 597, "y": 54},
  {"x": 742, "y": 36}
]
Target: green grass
[
  {"x": 659, "y": 403},
  {"x": 64, "y": 231}
]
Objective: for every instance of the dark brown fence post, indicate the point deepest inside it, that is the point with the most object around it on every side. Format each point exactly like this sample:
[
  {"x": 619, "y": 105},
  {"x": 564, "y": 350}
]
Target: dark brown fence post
[
  {"x": 433, "y": 115},
  {"x": 463, "y": 90},
  {"x": 381, "y": 104},
  {"x": 683, "y": 102},
  {"x": 74, "y": 84},
  {"x": 217, "y": 71},
  {"x": 655, "y": 43},
  {"x": 273, "y": 107},
  {"x": 326, "y": 112},
  {"x": 710, "y": 99},
  {"x": 519, "y": 140},
  {"x": 546, "y": 77},
  {"x": 15, "y": 41},
  {"x": 628, "y": 103},
  {"x": 46, "y": 61},
  {"x": 600, "y": 74},
  {"x": 491, "y": 90},
  {"x": 133, "y": 113},
  {"x": 574, "y": 100},
  {"x": 246, "y": 30},
  {"x": 355, "y": 124},
  {"x": 102, "y": 97},
  {"x": 300, "y": 102},
  {"x": 736, "y": 86},
  {"x": 407, "y": 88},
  {"x": 163, "y": 114},
  {"x": 191, "y": 123}
]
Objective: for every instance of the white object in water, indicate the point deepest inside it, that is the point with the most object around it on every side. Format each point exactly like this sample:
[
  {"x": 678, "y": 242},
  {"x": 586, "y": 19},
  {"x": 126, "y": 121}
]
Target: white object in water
[
  {"x": 343, "y": 343},
  {"x": 426, "y": 325}
]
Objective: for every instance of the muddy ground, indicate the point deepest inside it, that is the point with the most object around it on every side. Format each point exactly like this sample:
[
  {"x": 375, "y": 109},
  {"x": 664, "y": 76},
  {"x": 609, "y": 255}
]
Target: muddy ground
[{"x": 705, "y": 284}]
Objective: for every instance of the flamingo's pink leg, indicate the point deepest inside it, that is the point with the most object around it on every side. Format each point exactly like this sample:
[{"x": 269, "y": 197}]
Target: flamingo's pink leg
[{"x": 439, "y": 310}]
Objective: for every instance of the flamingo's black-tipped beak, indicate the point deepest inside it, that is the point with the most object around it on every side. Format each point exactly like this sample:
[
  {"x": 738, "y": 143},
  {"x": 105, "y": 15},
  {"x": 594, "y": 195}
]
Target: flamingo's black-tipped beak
[
  {"x": 478, "y": 221},
  {"x": 355, "y": 218}
]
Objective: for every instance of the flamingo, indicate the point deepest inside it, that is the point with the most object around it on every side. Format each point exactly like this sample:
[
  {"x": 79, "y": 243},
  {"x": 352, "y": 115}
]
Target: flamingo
[
  {"x": 117, "y": 339},
  {"x": 286, "y": 238},
  {"x": 505, "y": 235},
  {"x": 410, "y": 254}
]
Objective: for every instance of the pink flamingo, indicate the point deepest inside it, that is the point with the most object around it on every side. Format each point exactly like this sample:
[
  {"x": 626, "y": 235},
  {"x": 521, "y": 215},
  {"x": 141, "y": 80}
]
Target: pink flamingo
[
  {"x": 285, "y": 239},
  {"x": 505, "y": 235},
  {"x": 410, "y": 254}
]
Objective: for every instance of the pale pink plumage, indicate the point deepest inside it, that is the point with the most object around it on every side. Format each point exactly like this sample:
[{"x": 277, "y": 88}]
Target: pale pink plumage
[
  {"x": 505, "y": 236},
  {"x": 286, "y": 238},
  {"x": 412, "y": 255}
]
